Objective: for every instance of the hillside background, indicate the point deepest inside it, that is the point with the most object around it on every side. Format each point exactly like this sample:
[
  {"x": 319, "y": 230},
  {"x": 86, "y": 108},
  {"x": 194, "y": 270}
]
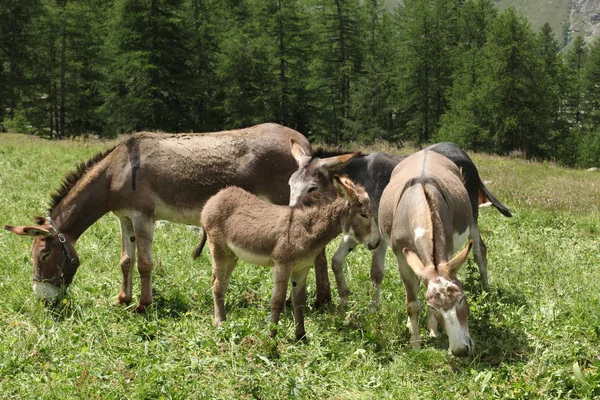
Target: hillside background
[{"x": 568, "y": 18}]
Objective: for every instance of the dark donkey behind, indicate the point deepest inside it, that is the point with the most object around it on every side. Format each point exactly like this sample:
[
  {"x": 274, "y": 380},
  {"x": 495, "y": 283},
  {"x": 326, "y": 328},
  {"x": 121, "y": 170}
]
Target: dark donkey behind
[
  {"x": 373, "y": 172},
  {"x": 149, "y": 177}
]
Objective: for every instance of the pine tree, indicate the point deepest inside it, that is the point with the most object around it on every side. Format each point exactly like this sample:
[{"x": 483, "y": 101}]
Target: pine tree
[
  {"x": 147, "y": 78},
  {"x": 16, "y": 54},
  {"x": 590, "y": 142},
  {"x": 374, "y": 93},
  {"x": 428, "y": 33}
]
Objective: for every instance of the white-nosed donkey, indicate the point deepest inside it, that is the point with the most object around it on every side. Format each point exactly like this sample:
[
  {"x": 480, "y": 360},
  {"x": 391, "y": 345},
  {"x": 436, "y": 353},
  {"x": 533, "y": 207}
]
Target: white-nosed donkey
[{"x": 425, "y": 215}]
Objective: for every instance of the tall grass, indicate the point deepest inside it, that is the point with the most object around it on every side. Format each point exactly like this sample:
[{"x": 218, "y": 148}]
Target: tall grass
[{"x": 537, "y": 332}]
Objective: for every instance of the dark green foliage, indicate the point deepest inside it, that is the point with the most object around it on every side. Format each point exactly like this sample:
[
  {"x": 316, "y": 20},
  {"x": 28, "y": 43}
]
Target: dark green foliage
[{"x": 336, "y": 70}]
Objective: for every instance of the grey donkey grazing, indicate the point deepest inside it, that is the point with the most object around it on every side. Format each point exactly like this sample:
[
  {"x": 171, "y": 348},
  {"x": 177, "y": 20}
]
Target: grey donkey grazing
[{"x": 241, "y": 226}]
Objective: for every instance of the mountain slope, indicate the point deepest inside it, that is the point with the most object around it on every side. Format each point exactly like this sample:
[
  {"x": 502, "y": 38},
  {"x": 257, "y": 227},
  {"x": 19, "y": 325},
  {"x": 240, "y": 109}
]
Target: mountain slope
[{"x": 568, "y": 18}]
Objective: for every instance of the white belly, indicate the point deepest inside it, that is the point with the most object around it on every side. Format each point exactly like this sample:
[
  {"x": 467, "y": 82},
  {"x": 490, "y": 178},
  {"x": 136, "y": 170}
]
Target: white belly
[{"x": 250, "y": 257}]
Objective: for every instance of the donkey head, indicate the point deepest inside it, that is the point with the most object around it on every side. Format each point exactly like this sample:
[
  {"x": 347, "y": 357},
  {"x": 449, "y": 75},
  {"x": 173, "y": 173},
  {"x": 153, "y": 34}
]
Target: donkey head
[
  {"x": 312, "y": 173},
  {"x": 446, "y": 299},
  {"x": 55, "y": 260},
  {"x": 357, "y": 222}
]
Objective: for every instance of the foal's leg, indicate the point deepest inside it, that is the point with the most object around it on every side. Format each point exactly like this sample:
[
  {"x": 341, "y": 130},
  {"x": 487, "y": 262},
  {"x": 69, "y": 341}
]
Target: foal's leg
[
  {"x": 281, "y": 275},
  {"x": 322, "y": 280},
  {"x": 377, "y": 271},
  {"x": 127, "y": 259},
  {"x": 337, "y": 264},
  {"x": 413, "y": 306},
  {"x": 143, "y": 227},
  {"x": 298, "y": 279},
  {"x": 223, "y": 263},
  {"x": 480, "y": 254}
]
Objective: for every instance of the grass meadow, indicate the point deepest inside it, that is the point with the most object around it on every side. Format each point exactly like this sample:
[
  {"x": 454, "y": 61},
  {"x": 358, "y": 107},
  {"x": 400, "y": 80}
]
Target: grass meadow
[{"x": 537, "y": 332}]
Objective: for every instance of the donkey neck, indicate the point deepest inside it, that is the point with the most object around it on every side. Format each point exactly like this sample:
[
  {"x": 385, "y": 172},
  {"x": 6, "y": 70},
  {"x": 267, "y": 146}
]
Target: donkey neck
[
  {"x": 323, "y": 223},
  {"x": 83, "y": 204}
]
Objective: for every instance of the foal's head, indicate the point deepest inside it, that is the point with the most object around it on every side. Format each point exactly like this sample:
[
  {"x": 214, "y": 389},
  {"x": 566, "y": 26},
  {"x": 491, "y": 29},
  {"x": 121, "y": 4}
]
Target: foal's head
[
  {"x": 55, "y": 260},
  {"x": 357, "y": 220},
  {"x": 446, "y": 299}
]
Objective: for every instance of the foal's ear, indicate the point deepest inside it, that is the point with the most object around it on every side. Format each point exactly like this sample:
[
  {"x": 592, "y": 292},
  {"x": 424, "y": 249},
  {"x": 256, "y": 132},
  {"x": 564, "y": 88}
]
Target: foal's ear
[
  {"x": 335, "y": 163},
  {"x": 35, "y": 231},
  {"x": 458, "y": 260},
  {"x": 299, "y": 154},
  {"x": 344, "y": 187}
]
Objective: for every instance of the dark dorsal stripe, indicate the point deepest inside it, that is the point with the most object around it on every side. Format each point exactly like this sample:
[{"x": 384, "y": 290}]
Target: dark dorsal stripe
[
  {"x": 73, "y": 177},
  {"x": 320, "y": 152},
  {"x": 424, "y": 180}
]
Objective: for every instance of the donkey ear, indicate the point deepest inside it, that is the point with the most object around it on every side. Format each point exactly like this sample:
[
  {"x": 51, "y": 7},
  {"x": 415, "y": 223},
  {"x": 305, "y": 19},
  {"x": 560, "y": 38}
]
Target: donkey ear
[
  {"x": 299, "y": 154},
  {"x": 415, "y": 264},
  {"x": 40, "y": 220},
  {"x": 458, "y": 260},
  {"x": 344, "y": 187},
  {"x": 35, "y": 231},
  {"x": 335, "y": 163}
]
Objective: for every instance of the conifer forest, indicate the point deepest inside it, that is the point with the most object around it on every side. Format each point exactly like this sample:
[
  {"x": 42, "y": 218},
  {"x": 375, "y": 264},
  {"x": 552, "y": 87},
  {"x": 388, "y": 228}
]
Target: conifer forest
[{"x": 338, "y": 71}]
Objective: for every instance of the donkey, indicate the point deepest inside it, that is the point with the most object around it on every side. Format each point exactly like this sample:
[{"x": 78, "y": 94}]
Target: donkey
[
  {"x": 241, "y": 226},
  {"x": 425, "y": 214},
  {"x": 373, "y": 171},
  {"x": 152, "y": 176}
]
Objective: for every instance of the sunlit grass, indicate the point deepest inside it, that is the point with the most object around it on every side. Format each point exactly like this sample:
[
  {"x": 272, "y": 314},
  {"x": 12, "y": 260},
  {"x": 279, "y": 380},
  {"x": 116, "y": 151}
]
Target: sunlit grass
[{"x": 537, "y": 332}]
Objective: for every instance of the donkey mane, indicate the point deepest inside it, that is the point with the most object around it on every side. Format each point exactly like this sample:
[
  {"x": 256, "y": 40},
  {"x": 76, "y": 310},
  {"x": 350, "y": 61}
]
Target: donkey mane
[
  {"x": 314, "y": 199},
  {"x": 321, "y": 152},
  {"x": 73, "y": 177}
]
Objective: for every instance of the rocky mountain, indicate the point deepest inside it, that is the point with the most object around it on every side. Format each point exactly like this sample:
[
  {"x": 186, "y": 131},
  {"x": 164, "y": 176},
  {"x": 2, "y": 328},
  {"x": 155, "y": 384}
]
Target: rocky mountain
[
  {"x": 585, "y": 18},
  {"x": 568, "y": 18}
]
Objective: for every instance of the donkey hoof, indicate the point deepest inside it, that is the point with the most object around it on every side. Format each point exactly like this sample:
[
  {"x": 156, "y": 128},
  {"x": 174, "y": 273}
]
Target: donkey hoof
[
  {"x": 415, "y": 344},
  {"x": 343, "y": 301},
  {"x": 123, "y": 299},
  {"x": 301, "y": 338},
  {"x": 322, "y": 300},
  {"x": 140, "y": 309}
]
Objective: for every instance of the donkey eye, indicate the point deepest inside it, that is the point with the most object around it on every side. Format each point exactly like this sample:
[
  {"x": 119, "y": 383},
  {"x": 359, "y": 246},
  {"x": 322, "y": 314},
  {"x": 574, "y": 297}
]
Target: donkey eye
[
  {"x": 312, "y": 189},
  {"x": 365, "y": 216}
]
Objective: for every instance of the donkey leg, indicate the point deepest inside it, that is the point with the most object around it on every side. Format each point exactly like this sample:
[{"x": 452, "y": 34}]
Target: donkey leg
[
  {"x": 223, "y": 263},
  {"x": 298, "y": 279},
  {"x": 337, "y": 264},
  {"x": 413, "y": 305},
  {"x": 127, "y": 260},
  {"x": 281, "y": 275},
  {"x": 143, "y": 227},
  {"x": 432, "y": 324},
  {"x": 322, "y": 280},
  {"x": 377, "y": 272},
  {"x": 480, "y": 254}
]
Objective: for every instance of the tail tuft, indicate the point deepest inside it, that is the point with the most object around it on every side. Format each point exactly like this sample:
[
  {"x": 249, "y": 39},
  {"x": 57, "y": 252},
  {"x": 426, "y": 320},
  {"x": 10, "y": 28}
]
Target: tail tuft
[
  {"x": 198, "y": 251},
  {"x": 495, "y": 202}
]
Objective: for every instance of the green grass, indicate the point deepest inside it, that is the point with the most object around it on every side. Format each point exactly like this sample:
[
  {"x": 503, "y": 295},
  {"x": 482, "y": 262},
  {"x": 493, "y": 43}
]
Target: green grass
[{"x": 537, "y": 332}]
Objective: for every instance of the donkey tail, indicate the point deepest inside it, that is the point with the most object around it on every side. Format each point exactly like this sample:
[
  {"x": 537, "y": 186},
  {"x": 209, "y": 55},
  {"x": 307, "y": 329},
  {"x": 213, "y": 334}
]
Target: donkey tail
[
  {"x": 200, "y": 246},
  {"x": 486, "y": 194}
]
